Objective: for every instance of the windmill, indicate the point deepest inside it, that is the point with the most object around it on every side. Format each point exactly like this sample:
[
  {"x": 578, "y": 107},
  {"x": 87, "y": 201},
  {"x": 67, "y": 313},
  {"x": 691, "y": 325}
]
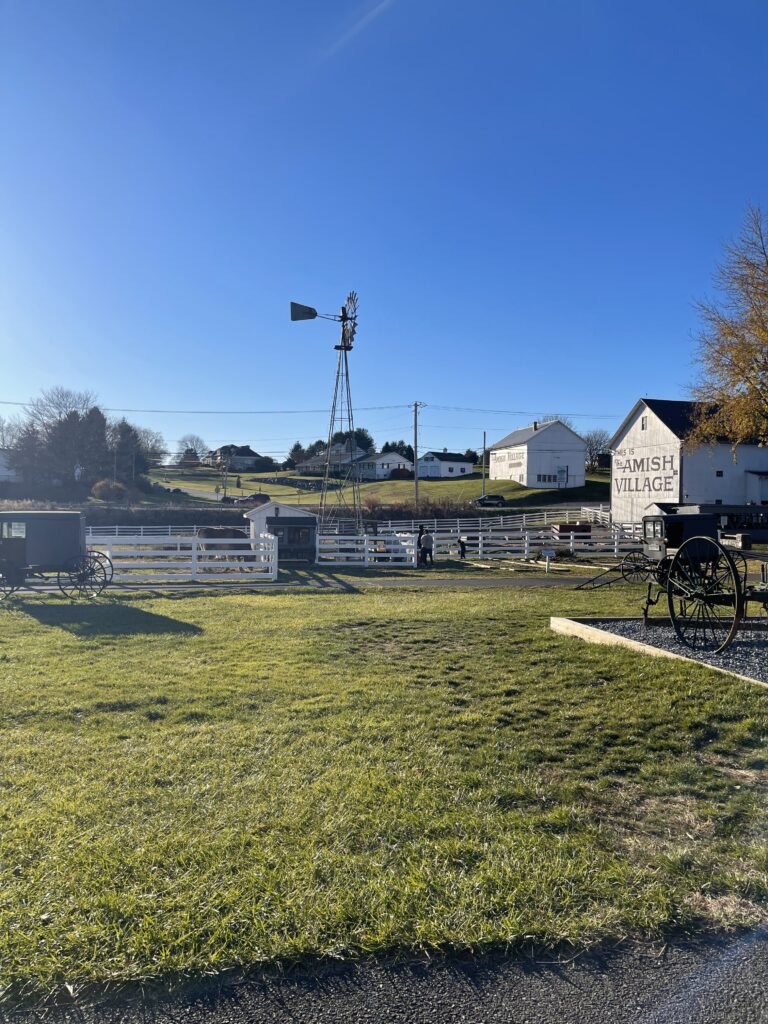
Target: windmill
[{"x": 340, "y": 509}]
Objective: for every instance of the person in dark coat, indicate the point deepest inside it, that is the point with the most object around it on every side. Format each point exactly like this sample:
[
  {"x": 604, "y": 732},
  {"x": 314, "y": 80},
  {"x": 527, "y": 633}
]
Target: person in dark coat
[
  {"x": 427, "y": 543},
  {"x": 462, "y": 548},
  {"x": 420, "y": 558}
]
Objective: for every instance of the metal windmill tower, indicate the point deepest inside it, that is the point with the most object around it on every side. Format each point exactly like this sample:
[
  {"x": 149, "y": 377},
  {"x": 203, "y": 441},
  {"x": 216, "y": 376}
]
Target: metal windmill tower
[{"x": 340, "y": 508}]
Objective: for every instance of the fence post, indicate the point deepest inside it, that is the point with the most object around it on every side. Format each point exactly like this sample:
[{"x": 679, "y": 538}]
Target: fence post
[
  {"x": 616, "y": 544},
  {"x": 365, "y": 550},
  {"x": 573, "y": 543},
  {"x": 193, "y": 570},
  {"x": 527, "y": 545}
]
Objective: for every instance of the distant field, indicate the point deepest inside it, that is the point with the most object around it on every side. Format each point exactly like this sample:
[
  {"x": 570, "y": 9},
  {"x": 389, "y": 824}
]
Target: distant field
[{"x": 386, "y": 492}]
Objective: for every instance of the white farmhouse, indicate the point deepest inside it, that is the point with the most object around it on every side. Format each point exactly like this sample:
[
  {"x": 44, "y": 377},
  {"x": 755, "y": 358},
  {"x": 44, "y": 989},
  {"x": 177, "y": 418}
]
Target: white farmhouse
[
  {"x": 543, "y": 455},
  {"x": 444, "y": 465},
  {"x": 650, "y": 465},
  {"x": 379, "y": 467}
]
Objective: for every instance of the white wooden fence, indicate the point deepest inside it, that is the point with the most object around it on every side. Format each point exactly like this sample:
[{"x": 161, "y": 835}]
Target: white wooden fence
[
  {"x": 385, "y": 549},
  {"x": 600, "y": 514},
  {"x": 178, "y": 559},
  {"x": 488, "y": 543}
]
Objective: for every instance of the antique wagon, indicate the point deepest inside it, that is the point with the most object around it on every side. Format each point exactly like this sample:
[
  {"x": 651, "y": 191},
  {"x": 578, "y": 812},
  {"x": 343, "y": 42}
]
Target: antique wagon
[
  {"x": 707, "y": 585},
  {"x": 46, "y": 547}
]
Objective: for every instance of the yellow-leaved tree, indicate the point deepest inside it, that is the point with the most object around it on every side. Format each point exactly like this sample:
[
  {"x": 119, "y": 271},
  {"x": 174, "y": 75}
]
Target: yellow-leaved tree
[{"x": 733, "y": 346}]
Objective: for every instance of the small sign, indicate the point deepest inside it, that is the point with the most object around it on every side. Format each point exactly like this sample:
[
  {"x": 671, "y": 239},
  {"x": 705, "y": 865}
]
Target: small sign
[{"x": 548, "y": 552}]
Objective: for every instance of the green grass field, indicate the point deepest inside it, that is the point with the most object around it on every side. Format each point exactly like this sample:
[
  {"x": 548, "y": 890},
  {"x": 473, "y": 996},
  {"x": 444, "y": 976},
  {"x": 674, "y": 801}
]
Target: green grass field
[
  {"x": 192, "y": 783},
  {"x": 386, "y": 492}
]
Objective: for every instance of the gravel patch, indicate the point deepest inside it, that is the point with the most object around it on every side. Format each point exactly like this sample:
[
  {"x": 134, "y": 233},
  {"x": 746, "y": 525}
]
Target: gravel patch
[{"x": 747, "y": 655}]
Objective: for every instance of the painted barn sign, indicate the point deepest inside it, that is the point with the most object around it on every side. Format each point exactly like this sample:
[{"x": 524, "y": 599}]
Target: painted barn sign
[{"x": 650, "y": 464}]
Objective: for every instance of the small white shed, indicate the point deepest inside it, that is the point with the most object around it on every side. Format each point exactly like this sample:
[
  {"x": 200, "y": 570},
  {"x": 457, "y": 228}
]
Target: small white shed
[{"x": 295, "y": 529}]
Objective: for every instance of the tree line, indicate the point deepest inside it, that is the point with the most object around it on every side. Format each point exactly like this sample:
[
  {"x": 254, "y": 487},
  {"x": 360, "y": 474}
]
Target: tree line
[{"x": 65, "y": 440}]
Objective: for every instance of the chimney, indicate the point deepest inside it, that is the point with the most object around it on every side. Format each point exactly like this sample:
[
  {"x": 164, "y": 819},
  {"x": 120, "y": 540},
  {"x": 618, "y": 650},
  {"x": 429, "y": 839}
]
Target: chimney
[{"x": 535, "y": 424}]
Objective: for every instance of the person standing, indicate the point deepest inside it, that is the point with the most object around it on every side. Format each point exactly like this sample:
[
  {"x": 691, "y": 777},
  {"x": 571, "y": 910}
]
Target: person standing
[
  {"x": 427, "y": 545},
  {"x": 462, "y": 548},
  {"x": 419, "y": 552}
]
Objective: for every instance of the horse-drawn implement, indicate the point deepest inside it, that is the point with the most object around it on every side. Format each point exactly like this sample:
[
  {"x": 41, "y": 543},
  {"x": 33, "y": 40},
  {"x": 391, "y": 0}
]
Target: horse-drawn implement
[
  {"x": 46, "y": 547},
  {"x": 707, "y": 584}
]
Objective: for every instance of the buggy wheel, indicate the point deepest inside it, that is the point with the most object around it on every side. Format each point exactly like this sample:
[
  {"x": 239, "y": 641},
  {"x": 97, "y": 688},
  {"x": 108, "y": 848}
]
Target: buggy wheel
[
  {"x": 704, "y": 595},
  {"x": 635, "y": 568},
  {"x": 82, "y": 577},
  {"x": 106, "y": 561},
  {"x": 9, "y": 579}
]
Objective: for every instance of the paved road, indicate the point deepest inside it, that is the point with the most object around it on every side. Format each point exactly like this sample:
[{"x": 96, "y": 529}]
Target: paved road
[{"x": 720, "y": 981}]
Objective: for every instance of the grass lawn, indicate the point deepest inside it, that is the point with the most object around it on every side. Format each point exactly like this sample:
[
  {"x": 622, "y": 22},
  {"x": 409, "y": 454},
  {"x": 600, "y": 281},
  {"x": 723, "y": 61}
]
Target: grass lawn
[
  {"x": 388, "y": 492},
  {"x": 190, "y": 783}
]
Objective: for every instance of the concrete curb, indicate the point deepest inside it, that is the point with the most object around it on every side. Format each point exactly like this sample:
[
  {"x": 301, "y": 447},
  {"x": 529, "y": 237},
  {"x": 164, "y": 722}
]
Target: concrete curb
[{"x": 584, "y": 630}]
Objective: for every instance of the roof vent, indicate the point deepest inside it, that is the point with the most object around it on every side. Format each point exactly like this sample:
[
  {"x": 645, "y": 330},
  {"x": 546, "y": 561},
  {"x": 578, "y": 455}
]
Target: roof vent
[{"x": 535, "y": 424}]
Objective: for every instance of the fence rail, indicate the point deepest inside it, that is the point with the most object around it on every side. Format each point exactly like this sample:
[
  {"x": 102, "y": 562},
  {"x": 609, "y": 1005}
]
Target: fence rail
[
  {"x": 149, "y": 559},
  {"x": 519, "y": 520}
]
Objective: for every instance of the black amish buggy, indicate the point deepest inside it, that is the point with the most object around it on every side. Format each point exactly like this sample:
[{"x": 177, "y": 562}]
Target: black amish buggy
[
  {"x": 47, "y": 546},
  {"x": 706, "y": 581}
]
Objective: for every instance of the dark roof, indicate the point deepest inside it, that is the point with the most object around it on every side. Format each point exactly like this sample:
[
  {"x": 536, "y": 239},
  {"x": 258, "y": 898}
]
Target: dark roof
[
  {"x": 448, "y": 457},
  {"x": 678, "y": 416}
]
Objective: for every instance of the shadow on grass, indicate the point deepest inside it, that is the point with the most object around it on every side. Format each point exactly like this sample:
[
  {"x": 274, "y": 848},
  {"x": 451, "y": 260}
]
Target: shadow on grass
[{"x": 89, "y": 620}]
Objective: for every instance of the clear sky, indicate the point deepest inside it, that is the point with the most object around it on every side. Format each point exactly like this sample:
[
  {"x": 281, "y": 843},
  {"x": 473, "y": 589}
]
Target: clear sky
[{"x": 529, "y": 198}]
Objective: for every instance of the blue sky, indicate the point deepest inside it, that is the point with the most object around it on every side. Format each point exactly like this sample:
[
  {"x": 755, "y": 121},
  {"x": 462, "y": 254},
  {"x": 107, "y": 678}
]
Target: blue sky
[{"x": 528, "y": 197}]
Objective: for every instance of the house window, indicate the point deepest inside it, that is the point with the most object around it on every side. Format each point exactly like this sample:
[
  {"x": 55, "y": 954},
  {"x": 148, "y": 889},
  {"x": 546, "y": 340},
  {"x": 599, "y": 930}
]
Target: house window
[
  {"x": 463, "y": 469},
  {"x": 643, "y": 422},
  {"x": 719, "y": 472},
  {"x": 450, "y": 469}
]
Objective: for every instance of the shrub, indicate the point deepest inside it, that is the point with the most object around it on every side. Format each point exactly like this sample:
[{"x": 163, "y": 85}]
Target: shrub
[
  {"x": 109, "y": 490},
  {"x": 401, "y": 474}
]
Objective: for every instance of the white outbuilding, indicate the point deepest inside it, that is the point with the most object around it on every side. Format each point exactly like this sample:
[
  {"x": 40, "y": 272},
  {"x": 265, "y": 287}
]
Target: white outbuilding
[
  {"x": 650, "y": 464},
  {"x": 545, "y": 455},
  {"x": 444, "y": 465}
]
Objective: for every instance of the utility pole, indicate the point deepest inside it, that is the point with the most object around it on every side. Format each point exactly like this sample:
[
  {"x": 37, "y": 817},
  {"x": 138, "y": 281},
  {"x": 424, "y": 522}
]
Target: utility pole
[
  {"x": 483, "y": 463},
  {"x": 416, "y": 407}
]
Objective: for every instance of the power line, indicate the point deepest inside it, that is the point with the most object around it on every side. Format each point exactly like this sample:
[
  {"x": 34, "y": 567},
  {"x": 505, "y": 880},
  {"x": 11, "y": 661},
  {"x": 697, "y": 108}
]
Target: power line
[{"x": 227, "y": 412}]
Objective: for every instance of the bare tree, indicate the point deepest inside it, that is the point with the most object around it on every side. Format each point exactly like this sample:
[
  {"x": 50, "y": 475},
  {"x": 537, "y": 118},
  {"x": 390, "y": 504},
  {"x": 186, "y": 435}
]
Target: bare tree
[
  {"x": 733, "y": 345},
  {"x": 597, "y": 443},
  {"x": 191, "y": 443},
  {"x": 153, "y": 445},
  {"x": 548, "y": 417},
  {"x": 10, "y": 430},
  {"x": 55, "y": 404}
]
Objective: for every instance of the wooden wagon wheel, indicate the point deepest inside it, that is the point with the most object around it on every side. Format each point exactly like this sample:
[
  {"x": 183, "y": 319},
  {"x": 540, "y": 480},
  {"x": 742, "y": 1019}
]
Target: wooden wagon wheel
[
  {"x": 705, "y": 595},
  {"x": 9, "y": 579},
  {"x": 106, "y": 561},
  {"x": 84, "y": 576},
  {"x": 635, "y": 567}
]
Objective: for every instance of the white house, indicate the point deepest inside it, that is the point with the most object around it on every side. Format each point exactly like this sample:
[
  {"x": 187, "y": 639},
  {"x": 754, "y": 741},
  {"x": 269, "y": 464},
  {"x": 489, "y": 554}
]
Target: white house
[
  {"x": 7, "y": 473},
  {"x": 444, "y": 464},
  {"x": 340, "y": 460},
  {"x": 650, "y": 465},
  {"x": 543, "y": 455},
  {"x": 379, "y": 467}
]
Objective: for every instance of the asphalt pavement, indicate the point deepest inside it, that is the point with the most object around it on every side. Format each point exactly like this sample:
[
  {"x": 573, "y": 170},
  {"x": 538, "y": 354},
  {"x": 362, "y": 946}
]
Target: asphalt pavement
[{"x": 719, "y": 980}]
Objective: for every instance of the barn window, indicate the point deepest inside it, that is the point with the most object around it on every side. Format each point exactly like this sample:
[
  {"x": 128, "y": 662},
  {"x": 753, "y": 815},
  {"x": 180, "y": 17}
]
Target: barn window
[
  {"x": 644, "y": 423},
  {"x": 719, "y": 472}
]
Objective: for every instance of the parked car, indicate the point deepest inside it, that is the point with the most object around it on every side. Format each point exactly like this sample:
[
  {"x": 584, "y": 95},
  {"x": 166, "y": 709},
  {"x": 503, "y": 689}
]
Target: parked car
[{"x": 491, "y": 501}]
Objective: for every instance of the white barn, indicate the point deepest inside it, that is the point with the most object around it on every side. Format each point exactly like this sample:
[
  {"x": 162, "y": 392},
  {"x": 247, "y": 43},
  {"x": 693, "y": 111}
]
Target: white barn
[
  {"x": 542, "y": 455},
  {"x": 444, "y": 465},
  {"x": 649, "y": 464}
]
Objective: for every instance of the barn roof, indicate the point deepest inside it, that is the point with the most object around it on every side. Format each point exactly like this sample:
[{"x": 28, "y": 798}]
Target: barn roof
[
  {"x": 524, "y": 435},
  {"x": 447, "y": 457},
  {"x": 677, "y": 415}
]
